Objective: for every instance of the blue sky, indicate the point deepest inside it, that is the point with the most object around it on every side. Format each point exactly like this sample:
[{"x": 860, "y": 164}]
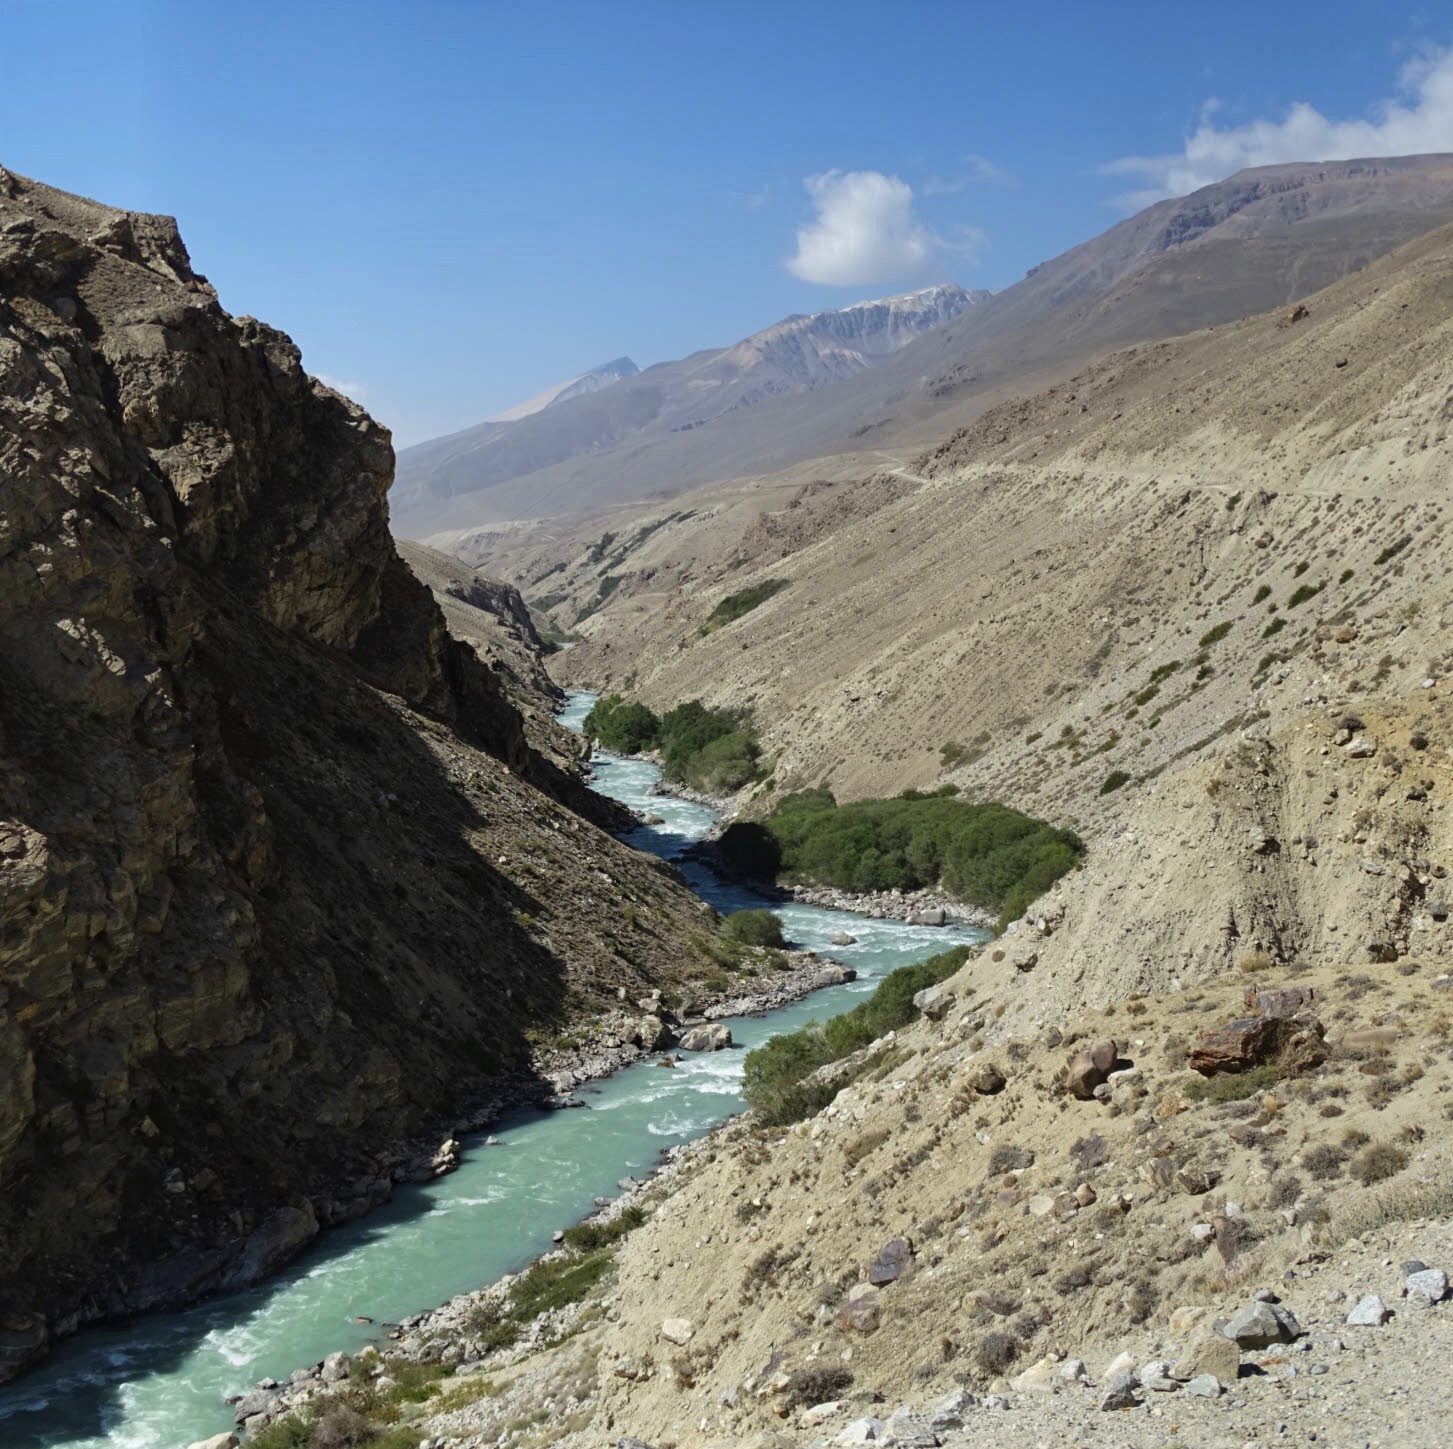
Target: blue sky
[{"x": 451, "y": 206}]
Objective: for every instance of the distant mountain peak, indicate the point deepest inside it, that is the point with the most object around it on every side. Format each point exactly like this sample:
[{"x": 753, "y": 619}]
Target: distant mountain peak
[{"x": 617, "y": 370}]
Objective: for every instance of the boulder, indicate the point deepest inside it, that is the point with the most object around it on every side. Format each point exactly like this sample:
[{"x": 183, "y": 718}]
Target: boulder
[
  {"x": 1370, "y": 1312},
  {"x": 1251, "y": 1040},
  {"x": 841, "y": 938},
  {"x": 1121, "y": 1393},
  {"x": 859, "y": 1314},
  {"x": 1432, "y": 1283},
  {"x": 217, "y": 1441},
  {"x": 1090, "y": 1067},
  {"x": 1278, "y": 1001},
  {"x": 986, "y": 1079},
  {"x": 1208, "y": 1353},
  {"x": 1042, "y": 1377},
  {"x": 893, "y": 1261},
  {"x": 649, "y": 1033},
  {"x": 934, "y": 916},
  {"x": 336, "y": 1368},
  {"x": 710, "y": 1038},
  {"x": 1259, "y": 1325},
  {"x": 677, "y": 1330},
  {"x": 831, "y": 973},
  {"x": 933, "y": 1001},
  {"x": 1204, "y": 1386}
]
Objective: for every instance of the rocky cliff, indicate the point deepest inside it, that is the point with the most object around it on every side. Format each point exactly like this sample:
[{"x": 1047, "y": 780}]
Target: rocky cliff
[{"x": 282, "y": 882}]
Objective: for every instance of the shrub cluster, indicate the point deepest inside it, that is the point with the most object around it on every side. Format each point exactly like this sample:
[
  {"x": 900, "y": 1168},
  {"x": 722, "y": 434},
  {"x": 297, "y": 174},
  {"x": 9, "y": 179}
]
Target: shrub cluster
[
  {"x": 774, "y": 1081},
  {"x": 743, "y": 602},
  {"x": 980, "y": 852},
  {"x": 714, "y": 750},
  {"x": 753, "y": 928}
]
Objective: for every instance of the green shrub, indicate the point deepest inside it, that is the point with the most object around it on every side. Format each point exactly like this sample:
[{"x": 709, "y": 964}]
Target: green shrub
[
  {"x": 289, "y": 1433},
  {"x": 1215, "y": 634},
  {"x": 735, "y": 605},
  {"x": 1263, "y": 591},
  {"x": 1147, "y": 694},
  {"x": 1164, "y": 671},
  {"x": 625, "y": 727},
  {"x": 1345, "y": 575},
  {"x": 588, "y": 1236},
  {"x": 980, "y": 852},
  {"x": 1113, "y": 781},
  {"x": 773, "y": 1076},
  {"x": 1394, "y": 549},
  {"x": 753, "y": 928},
  {"x": 547, "y": 1285},
  {"x": 1274, "y": 628},
  {"x": 1233, "y": 1086},
  {"x": 1300, "y": 569},
  {"x": 1303, "y": 592}
]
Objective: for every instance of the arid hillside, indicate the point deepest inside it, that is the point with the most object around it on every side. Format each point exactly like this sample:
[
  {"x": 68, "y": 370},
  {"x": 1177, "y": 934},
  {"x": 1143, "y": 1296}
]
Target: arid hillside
[
  {"x": 283, "y": 884},
  {"x": 1185, "y": 542}
]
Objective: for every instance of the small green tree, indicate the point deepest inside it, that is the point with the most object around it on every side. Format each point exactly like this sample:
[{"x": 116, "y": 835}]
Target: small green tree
[{"x": 753, "y": 928}]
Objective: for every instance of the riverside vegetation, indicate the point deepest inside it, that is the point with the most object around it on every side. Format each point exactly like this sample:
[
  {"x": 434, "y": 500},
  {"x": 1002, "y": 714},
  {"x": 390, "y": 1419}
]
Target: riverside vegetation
[
  {"x": 983, "y": 853},
  {"x": 712, "y": 750}
]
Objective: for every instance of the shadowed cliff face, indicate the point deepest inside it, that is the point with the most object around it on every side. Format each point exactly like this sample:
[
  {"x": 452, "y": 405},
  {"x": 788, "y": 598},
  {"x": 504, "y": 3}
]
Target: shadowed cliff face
[{"x": 281, "y": 880}]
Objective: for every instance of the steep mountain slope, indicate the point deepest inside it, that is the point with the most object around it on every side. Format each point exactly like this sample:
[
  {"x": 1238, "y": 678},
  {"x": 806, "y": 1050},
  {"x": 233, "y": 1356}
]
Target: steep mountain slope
[
  {"x": 492, "y": 618},
  {"x": 792, "y": 357},
  {"x": 282, "y": 882},
  {"x": 1260, "y": 239}
]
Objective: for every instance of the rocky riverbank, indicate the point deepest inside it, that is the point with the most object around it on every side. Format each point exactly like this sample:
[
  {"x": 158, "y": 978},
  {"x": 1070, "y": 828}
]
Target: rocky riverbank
[{"x": 657, "y": 1025}]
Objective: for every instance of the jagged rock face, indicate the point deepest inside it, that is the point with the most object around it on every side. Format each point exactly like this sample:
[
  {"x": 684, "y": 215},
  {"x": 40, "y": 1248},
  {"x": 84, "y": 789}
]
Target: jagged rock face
[{"x": 275, "y": 889}]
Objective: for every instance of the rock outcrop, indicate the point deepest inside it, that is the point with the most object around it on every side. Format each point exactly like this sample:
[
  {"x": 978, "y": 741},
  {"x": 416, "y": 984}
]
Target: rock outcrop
[{"x": 281, "y": 879}]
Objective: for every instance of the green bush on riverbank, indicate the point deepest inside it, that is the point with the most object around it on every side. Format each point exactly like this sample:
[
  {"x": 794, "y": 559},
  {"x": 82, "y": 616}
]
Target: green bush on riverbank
[
  {"x": 712, "y": 750},
  {"x": 986, "y": 854},
  {"x": 774, "y": 1082}
]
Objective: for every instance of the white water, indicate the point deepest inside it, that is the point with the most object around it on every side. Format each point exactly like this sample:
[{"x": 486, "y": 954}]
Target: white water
[{"x": 159, "y": 1382}]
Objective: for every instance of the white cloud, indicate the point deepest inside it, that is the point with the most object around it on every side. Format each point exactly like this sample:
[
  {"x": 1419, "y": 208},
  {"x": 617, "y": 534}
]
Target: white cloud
[
  {"x": 1418, "y": 119},
  {"x": 865, "y": 232}
]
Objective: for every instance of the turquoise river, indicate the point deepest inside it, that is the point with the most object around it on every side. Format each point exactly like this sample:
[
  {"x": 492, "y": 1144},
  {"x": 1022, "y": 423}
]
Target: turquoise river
[{"x": 160, "y": 1381}]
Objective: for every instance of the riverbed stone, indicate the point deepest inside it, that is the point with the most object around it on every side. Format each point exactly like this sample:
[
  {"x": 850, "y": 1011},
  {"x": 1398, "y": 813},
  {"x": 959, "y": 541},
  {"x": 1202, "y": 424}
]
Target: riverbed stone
[
  {"x": 336, "y": 1368},
  {"x": 712, "y": 1037}
]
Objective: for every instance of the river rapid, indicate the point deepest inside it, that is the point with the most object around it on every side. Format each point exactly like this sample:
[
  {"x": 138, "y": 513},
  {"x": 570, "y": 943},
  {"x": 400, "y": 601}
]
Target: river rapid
[{"x": 160, "y": 1381}]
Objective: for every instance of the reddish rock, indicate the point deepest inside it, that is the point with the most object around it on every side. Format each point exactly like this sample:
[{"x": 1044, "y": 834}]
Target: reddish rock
[
  {"x": 1089, "y": 1067},
  {"x": 1252, "y": 1040},
  {"x": 1278, "y": 1000},
  {"x": 859, "y": 1315}
]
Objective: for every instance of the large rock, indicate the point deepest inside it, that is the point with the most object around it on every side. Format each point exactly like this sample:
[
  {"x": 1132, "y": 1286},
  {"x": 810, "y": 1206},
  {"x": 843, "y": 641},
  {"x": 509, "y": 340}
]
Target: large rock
[
  {"x": 677, "y": 1330},
  {"x": 893, "y": 1261},
  {"x": 650, "y": 1033},
  {"x": 933, "y": 1001},
  {"x": 1090, "y": 1067},
  {"x": 1251, "y": 1040},
  {"x": 217, "y": 1441},
  {"x": 860, "y": 1313},
  {"x": 1259, "y": 1325},
  {"x": 1208, "y": 1351},
  {"x": 710, "y": 1038},
  {"x": 934, "y": 916}
]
